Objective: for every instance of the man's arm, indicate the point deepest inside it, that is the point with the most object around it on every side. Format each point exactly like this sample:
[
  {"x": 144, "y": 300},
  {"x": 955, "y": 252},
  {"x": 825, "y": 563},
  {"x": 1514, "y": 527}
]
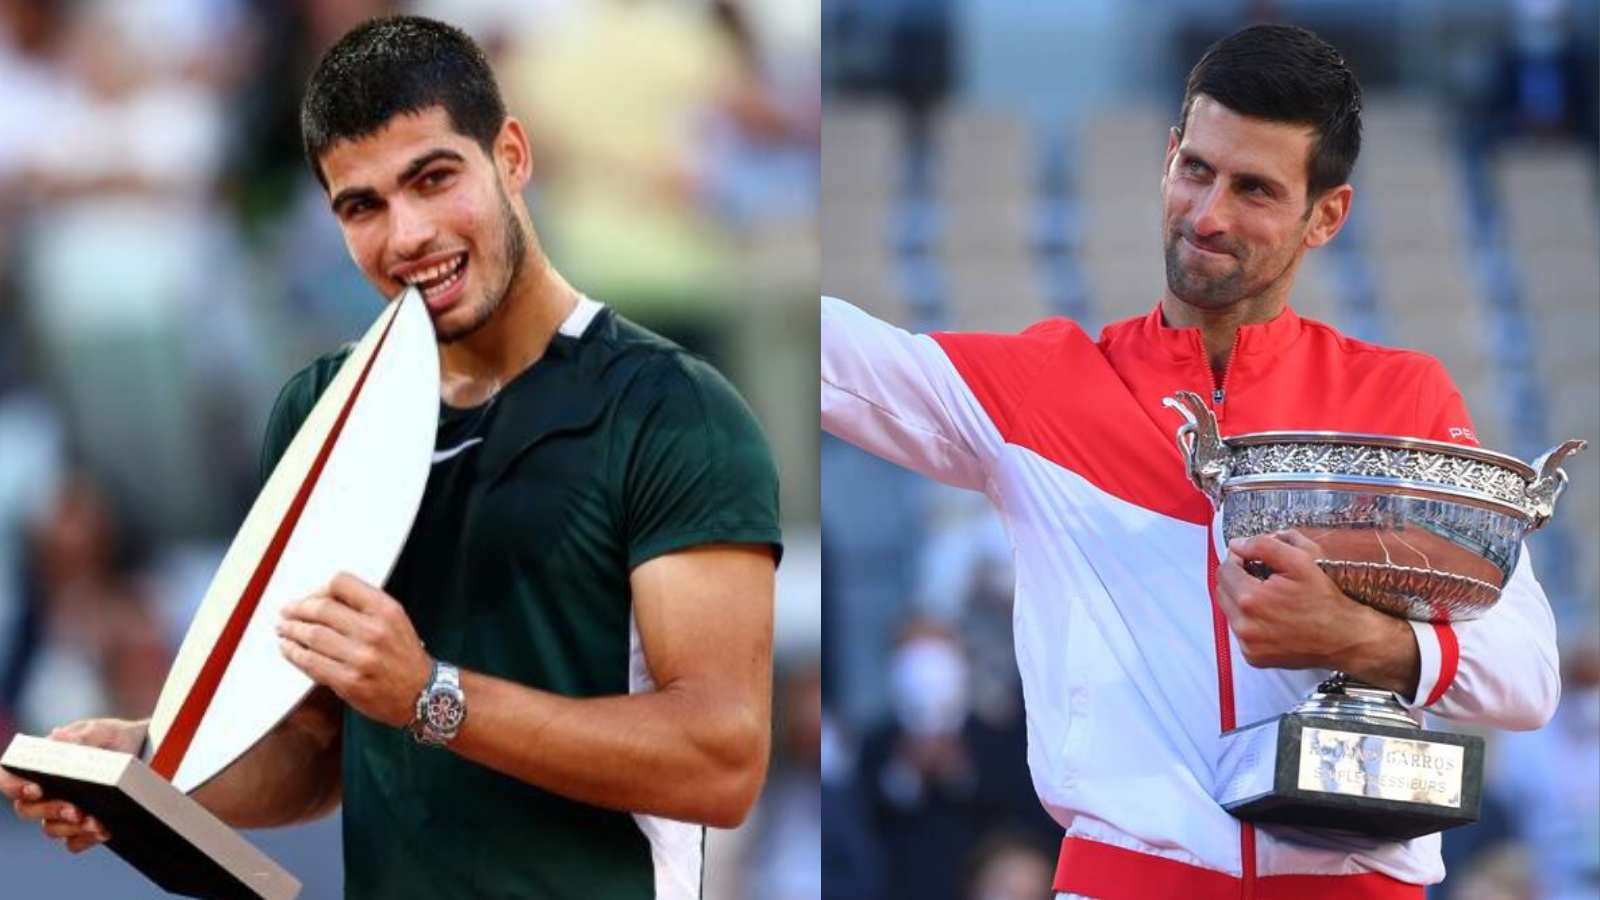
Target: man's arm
[
  {"x": 291, "y": 776},
  {"x": 1504, "y": 672},
  {"x": 1502, "y": 669},
  {"x": 897, "y": 395},
  {"x": 694, "y": 747}
]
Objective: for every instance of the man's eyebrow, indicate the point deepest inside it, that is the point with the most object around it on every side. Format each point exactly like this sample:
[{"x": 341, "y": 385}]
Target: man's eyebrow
[
  {"x": 1249, "y": 179},
  {"x": 351, "y": 194},
  {"x": 1245, "y": 178},
  {"x": 422, "y": 162},
  {"x": 411, "y": 171}
]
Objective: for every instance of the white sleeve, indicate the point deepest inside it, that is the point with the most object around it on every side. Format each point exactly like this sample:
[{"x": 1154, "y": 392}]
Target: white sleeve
[
  {"x": 1500, "y": 670},
  {"x": 897, "y": 395}
]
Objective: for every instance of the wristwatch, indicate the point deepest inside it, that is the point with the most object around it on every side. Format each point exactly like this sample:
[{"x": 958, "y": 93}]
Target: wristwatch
[{"x": 441, "y": 707}]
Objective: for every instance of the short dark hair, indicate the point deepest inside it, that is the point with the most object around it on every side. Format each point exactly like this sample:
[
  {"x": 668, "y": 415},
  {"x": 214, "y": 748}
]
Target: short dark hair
[
  {"x": 393, "y": 65},
  {"x": 1282, "y": 73}
]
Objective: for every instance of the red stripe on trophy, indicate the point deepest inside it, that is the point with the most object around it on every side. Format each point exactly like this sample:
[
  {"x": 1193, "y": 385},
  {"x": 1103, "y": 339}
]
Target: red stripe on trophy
[
  {"x": 1449, "y": 658},
  {"x": 184, "y": 726}
]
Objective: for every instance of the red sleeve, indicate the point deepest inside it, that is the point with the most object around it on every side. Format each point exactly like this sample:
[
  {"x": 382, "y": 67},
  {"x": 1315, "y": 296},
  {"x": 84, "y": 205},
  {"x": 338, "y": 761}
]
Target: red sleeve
[
  {"x": 1002, "y": 370},
  {"x": 1441, "y": 412}
]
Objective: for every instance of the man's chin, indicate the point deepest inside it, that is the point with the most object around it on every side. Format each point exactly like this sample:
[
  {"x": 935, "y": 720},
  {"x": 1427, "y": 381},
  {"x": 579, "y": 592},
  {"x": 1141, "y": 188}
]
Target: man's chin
[
  {"x": 1205, "y": 294},
  {"x": 461, "y": 322}
]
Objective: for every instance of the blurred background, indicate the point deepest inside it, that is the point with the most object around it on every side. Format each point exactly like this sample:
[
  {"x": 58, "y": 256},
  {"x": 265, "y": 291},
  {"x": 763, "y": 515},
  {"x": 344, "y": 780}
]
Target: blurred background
[
  {"x": 167, "y": 262},
  {"x": 988, "y": 164}
]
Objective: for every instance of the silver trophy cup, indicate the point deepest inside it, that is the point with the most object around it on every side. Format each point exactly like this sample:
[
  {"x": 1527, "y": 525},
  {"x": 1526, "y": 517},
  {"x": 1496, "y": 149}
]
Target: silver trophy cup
[{"x": 1419, "y": 529}]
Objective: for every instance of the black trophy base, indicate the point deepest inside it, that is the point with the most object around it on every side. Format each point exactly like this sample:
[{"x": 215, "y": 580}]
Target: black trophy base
[
  {"x": 156, "y": 828},
  {"x": 1382, "y": 781}
]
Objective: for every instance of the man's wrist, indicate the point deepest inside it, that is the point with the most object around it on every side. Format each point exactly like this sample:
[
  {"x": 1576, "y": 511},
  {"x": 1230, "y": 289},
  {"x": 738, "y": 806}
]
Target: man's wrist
[
  {"x": 441, "y": 707},
  {"x": 1387, "y": 656}
]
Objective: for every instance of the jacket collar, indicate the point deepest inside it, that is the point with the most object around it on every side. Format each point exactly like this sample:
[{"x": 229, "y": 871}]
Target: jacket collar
[{"x": 1270, "y": 337}]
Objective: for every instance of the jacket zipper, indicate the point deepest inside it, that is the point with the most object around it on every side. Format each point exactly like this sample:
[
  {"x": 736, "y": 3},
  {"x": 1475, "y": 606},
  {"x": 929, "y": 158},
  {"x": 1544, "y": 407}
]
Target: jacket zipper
[{"x": 1219, "y": 622}]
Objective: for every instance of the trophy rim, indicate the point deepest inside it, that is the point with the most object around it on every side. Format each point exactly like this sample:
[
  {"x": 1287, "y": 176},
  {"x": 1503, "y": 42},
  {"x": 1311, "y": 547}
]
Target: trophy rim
[
  {"x": 1369, "y": 484},
  {"x": 1383, "y": 440}
]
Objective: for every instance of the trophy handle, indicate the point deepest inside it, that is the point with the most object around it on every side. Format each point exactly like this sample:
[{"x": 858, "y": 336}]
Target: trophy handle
[
  {"x": 1204, "y": 453},
  {"x": 1544, "y": 490}
]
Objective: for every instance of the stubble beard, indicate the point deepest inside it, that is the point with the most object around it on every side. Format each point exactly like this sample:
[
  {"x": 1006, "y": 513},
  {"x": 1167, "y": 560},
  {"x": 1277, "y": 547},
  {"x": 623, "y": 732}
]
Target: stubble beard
[
  {"x": 515, "y": 247},
  {"x": 1206, "y": 292}
]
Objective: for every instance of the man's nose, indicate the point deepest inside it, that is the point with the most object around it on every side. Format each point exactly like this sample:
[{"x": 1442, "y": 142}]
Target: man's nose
[
  {"x": 1211, "y": 214},
  {"x": 411, "y": 231}
]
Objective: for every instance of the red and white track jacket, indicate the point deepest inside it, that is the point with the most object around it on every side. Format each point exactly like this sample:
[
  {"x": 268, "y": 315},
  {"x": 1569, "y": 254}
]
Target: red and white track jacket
[{"x": 1129, "y": 672}]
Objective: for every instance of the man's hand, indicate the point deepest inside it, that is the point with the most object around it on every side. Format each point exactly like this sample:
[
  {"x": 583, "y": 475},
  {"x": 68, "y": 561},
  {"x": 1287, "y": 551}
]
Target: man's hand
[
  {"x": 357, "y": 640},
  {"x": 1299, "y": 619},
  {"x": 59, "y": 818}
]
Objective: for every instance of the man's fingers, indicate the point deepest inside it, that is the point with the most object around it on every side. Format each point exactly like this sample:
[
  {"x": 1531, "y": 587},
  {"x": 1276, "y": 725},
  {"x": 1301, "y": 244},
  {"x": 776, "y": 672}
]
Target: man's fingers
[
  {"x": 83, "y": 842},
  {"x": 14, "y": 788},
  {"x": 354, "y": 592},
  {"x": 59, "y": 829},
  {"x": 318, "y": 638},
  {"x": 49, "y": 810},
  {"x": 89, "y": 732},
  {"x": 1231, "y": 581},
  {"x": 1298, "y": 539},
  {"x": 317, "y": 667},
  {"x": 1282, "y": 557},
  {"x": 325, "y": 609}
]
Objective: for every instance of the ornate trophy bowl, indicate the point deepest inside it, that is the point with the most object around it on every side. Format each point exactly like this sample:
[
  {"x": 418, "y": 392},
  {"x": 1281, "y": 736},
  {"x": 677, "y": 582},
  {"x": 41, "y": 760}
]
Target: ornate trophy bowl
[{"x": 1418, "y": 529}]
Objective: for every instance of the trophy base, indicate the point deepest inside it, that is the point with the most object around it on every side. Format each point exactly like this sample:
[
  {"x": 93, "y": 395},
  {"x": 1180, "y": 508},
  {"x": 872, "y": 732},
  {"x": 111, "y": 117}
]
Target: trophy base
[
  {"x": 156, "y": 828},
  {"x": 1376, "y": 779}
]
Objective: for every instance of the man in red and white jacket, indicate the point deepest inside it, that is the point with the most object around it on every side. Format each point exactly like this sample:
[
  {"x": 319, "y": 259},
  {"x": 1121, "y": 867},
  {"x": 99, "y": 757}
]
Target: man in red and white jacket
[{"x": 1138, "y": 646}]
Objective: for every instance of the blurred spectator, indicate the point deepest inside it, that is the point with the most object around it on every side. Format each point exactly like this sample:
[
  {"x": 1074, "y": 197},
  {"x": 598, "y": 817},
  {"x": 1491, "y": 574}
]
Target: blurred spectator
[
  {"x": 279, "y": 45},
  {"x": 101, "y": 649},
  {"x": 936, "y": 775},
  {"x": 636, "y": 167},
  {"x": 1542, "y": 83},
  {"x": 133, "y": 197},
  {"x": 850, "y": 854},
  {"x": 785, "y": 857},
  {"x": 30, "y": 460},
  {"x": 617, "y": 161},
  {"x": 1550, "y": 782},
  {"x": 30, "y": 32},
  {"x": 965, "y": 576},
  {"x": 1010, "y": 866}
]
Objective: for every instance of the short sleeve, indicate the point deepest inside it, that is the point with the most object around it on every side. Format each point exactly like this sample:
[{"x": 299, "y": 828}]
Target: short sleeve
[
  {"x": 697, "y": 467},
  {"x": 299, "y": 394}
]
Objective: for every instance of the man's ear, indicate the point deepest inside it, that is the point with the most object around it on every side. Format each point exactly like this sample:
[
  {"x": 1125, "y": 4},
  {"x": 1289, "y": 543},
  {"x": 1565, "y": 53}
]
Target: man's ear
[
  {"x": 1328, "y": 215},
  {"x": 513, "y": 158},
  {"x": 1173, "y": 138}
]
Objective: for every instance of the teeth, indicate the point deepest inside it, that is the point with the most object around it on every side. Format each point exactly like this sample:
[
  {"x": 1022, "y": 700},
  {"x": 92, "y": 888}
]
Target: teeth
[
  {"x": 432, "y": 272},
  {"x": 443, "y": 286}
]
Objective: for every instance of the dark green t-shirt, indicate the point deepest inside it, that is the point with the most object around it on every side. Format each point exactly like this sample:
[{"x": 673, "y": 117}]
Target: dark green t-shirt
[{"x": 614, "y": 448}]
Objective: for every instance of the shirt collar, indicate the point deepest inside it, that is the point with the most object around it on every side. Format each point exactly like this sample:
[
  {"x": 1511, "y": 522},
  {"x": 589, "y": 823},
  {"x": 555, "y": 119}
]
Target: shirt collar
[
  {"x": 574, "y": 327},
  {"x": 577, "y": 321}
]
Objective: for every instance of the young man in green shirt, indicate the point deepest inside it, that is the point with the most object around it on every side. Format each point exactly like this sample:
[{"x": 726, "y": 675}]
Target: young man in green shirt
[{"x": 584, "y": 604}]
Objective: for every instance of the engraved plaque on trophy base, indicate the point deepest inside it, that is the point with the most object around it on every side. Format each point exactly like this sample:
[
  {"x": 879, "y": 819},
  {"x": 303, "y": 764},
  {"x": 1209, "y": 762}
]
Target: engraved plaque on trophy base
[
  {"x": 1384, "y": 781},
  {"x": 157, "y": 828}
]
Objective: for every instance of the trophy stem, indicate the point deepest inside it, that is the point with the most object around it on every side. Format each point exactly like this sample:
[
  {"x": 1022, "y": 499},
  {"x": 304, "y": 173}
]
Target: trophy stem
[{"x": 1352, "y": 700}]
